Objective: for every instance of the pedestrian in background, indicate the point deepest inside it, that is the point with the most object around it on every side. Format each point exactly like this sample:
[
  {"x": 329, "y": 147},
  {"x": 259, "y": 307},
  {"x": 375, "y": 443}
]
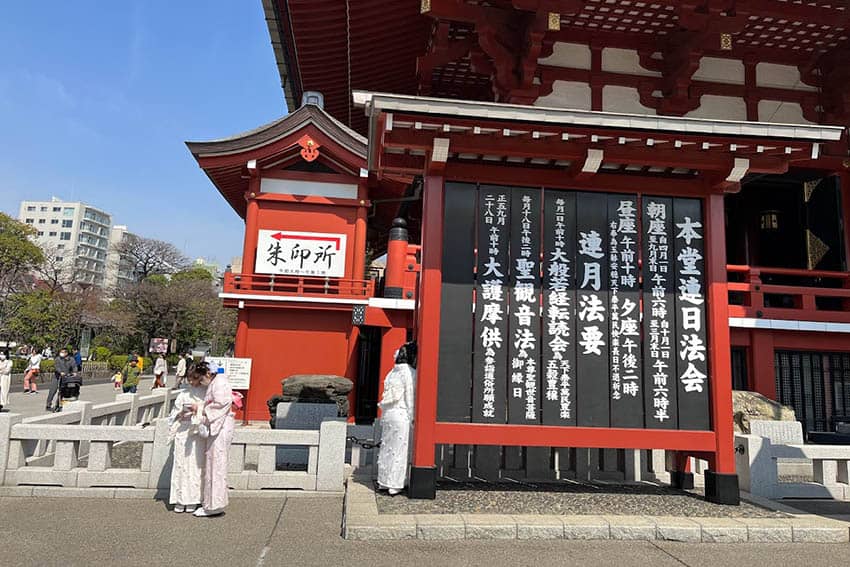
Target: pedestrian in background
[
  {"x": 63, "y": 365},
  {"x": 160, "y": 372},
  {"x": 182, "y": 367},
  {"x": 5, "y": 378},
  {"x": 130, "y": 376},
  {"x": 78, "y": 360},
  {"x": 32, "y": 372}
]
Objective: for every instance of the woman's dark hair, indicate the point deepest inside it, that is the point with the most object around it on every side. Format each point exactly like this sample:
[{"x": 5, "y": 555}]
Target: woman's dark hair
[
  {"x": 200, "y": 369},
  {"x": 407, "y": 354}
]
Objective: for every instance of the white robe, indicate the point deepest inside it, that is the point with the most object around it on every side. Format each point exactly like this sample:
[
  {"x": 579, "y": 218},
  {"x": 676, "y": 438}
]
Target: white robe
[
  {"x": 5, "y": 381},
  {"x": 396, "y": 418},
  {"x": 188, "y": 468}
]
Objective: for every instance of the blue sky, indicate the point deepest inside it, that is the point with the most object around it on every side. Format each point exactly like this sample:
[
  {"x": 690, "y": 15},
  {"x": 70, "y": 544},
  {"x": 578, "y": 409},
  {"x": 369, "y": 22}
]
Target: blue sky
[{"x": 97, "y": 98}]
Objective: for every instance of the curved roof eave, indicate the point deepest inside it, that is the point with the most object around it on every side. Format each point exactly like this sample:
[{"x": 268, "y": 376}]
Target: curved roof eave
[{"x": 268, "y": 133}]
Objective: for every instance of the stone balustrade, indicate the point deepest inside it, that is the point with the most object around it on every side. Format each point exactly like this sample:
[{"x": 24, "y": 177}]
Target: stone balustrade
[
  {"x": 82, "y": 453},
  {"x": 760, "y": 455}
]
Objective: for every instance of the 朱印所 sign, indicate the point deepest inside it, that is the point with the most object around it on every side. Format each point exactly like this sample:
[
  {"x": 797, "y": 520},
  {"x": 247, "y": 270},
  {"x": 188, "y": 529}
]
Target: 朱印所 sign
[{"x": 285, "y": 252}]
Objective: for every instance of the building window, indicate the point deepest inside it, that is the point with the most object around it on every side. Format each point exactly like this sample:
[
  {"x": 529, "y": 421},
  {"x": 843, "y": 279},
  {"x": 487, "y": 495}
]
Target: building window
[
  {"x": 60, "y": 246},
  {"x": 43, "y": 209},
  {"x": 68, "y": 211},
  {"x": 60, "y": 259},
  {"x": 30, "y": 209},
  {"x": 65, "y": 236},
  {"x": 42, "y": 221},
  {"x": 51, "y": 233},
  {"x": 57, "y": 209},
  {"x": 54, "y": 221},
  {"x": 67, "y": 223},
  {"x": 29, "y": 221},
  {"x": 40, "y": 233}
]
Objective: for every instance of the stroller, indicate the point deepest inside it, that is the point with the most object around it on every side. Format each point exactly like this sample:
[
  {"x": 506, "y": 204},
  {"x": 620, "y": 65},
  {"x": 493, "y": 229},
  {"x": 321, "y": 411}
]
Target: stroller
[{"x": 69, "y": 388}]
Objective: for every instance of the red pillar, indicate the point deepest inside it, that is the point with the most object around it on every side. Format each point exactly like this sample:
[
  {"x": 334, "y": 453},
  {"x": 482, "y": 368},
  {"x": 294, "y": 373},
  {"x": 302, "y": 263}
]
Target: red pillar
[
  {"x": 359, "y": 268},
  {"x": 763, "y": 363},
  {"x": 240, "y": 349},
  {"x": 721, "y": 480},
  {"x": 423, "y": 473},
  {"x": 249, "y": 249}
]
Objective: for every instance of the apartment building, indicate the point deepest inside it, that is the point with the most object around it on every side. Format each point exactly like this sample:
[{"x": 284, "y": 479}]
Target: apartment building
[{"x": 75, "y": 233}]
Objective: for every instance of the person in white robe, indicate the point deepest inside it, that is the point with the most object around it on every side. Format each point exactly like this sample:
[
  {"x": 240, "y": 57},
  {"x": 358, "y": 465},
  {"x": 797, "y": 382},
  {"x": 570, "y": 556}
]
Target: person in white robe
[
  {"x": 396, "y": 419},
  {"x": 5, "y": 378},
  {"x": 187, "y": 431},
  {"x": 219, "y": 418}
]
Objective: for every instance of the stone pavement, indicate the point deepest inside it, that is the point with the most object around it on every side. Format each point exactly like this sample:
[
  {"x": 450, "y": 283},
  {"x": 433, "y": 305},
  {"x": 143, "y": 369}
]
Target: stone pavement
[
  {"x": 305, "y": 531},
  {"x": 31, "y": 405},
  {"x": 765, "y": 522}
]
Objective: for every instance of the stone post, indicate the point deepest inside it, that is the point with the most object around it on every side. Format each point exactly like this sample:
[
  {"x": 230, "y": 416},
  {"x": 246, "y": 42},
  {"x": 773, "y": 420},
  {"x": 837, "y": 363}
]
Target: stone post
[
  {"x": 133, "y": 414},
  {"x": 160, "y": 473},
  {"x": 331, "y": 462},
  {"x": 7, "y": 420},
  {"x": 85, "y": 419}
]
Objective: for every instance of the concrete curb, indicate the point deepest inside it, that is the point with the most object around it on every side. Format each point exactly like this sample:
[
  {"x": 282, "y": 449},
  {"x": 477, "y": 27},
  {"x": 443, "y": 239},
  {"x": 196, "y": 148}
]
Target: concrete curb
[
  {"x": 143, "y": 493},
  {"x": 362, "y": 521}
]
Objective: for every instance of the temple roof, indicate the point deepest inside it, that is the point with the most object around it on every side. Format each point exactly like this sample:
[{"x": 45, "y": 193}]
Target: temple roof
[
  {"x": 489, "y": 50},
  {"x": 225, "y": 160}
]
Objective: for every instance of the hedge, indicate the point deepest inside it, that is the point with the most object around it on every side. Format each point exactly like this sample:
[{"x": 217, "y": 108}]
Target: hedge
[{"x": 101, "y": 353}]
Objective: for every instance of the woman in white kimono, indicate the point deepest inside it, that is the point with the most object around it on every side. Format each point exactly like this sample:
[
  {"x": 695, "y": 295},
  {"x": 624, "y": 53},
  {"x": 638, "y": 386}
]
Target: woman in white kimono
[
  {"x": 219, "y": 419},
  {"x": 396, "y": 418},
  {"x": 5, "y": 378},
  {"x": 189, "y": 434}
]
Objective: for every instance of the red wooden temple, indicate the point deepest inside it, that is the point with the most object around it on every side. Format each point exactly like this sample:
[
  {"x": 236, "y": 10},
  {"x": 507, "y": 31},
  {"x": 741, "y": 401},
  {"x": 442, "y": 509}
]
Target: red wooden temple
[{"x": 599, "y": 217}]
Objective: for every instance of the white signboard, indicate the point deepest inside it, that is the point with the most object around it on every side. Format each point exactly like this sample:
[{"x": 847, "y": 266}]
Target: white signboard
[
  {"x": 237, "y": 370},
  {"x": 316, "y": 254}
]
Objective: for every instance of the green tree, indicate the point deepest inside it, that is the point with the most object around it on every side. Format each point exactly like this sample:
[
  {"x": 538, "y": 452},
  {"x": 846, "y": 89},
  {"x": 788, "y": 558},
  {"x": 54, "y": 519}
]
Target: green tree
[
  {"x": 44, "y": 318},
  {"x": 18, "y": 257}
]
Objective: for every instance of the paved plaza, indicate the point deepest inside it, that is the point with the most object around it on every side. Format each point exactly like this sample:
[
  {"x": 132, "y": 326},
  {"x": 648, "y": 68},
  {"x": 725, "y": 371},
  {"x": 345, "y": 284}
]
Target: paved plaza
[{"x": 305, "y": 531}]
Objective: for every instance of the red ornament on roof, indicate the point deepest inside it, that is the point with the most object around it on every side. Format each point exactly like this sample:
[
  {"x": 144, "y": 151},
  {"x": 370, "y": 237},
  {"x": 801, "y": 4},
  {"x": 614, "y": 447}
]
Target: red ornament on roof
[{"x": 309, "y": 148}]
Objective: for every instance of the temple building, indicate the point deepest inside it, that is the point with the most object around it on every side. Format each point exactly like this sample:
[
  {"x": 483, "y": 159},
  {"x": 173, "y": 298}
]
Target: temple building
[{"x": 599, "y": 218}]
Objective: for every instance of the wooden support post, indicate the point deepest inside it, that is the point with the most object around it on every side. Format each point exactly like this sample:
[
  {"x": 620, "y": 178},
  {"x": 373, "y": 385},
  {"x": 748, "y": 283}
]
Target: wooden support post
[
  {"x": 423, "y": 472},
  {"x": 721, "y": 480}
]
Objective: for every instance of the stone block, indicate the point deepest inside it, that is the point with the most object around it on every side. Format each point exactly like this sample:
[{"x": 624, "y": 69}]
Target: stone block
[
  {"x": 359, "y": 509},
  {"x": 160, "y": 459},
  {"x": 331, "y": 460},
  {"x": 440, "y": 526},
  {"x": 586, "y": 527},
  {"x": 536, "y": 526},
  {"x": 489, "y": 526},
  {"x": 631, "y": 527},
  {"x": 15, "y": 491},
  {"x": 676, "y": 528},
  {"x": 389, "y": 527},
  {"x": 301, "y": 416},
  {"x": 779, "y": 432},
  {"x": 71, "y": 492},
  {"x": 722, "y": 530},
  {"x": 768, "y": 530},
  {"x": 818, "y": 530}
]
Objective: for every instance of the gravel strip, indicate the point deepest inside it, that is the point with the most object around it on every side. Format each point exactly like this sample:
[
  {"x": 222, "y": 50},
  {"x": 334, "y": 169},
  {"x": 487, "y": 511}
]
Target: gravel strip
[{"x": 573, "y": 498}]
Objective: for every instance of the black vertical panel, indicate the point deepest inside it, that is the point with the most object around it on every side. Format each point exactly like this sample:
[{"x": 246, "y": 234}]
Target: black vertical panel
[
  {"x": 691, "y": 332},
  {"x": 659, "y": 349},
  {"x": 624, "y": 314},
  {"x": 524, "y": 324},
  {"x": 490, "y": 358},
  {"x": 592, "y": 370},
  {"x": 454, "y": 374},
  {"x": 558, "y": 337}
]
